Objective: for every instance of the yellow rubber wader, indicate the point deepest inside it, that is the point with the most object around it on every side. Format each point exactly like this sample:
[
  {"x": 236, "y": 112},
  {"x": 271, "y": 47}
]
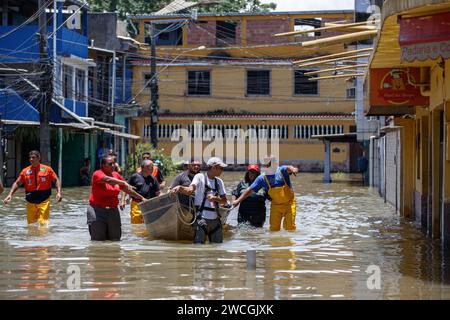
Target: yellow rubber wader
[
  {"x": 135, "y": 213},
  {"x": 283, "y": 206},
  {"x": 38, "y": 212}
]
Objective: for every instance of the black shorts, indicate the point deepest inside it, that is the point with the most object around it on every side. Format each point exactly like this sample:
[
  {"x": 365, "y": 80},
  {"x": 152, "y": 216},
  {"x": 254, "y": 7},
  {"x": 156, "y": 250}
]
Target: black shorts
[{"x": 104, "y": 224}]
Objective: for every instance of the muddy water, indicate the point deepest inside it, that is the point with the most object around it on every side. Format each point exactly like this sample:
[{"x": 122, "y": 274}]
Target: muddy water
[{"x": 343, "y": 231}]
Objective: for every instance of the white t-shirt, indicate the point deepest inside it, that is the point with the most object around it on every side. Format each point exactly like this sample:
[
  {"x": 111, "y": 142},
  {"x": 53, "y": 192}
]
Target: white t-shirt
[{"x": 199, "y": 183}]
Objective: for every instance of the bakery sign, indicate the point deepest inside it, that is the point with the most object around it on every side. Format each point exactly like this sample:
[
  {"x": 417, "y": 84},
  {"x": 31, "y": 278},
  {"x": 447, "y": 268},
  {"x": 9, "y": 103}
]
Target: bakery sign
[
  {"x": 395, "y": 87},
  {"x": 425, "y": 37}
]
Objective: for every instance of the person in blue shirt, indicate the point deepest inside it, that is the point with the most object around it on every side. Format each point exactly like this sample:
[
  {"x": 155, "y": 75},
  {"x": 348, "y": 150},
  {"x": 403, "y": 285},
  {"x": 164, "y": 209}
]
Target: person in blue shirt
[{"x": 277, "y": 183}]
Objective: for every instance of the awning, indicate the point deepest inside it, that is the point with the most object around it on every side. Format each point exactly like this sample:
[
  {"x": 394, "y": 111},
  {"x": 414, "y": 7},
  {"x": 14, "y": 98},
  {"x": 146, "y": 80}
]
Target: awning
[
  {"x": 122, "y": 134},
  {"x": 111, "y": 125},
  {"x": 73, "y": 125}
]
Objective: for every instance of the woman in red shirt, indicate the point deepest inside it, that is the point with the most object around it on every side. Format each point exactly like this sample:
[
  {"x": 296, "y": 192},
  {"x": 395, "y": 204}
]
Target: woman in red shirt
[{"x": 103, "y": 216}]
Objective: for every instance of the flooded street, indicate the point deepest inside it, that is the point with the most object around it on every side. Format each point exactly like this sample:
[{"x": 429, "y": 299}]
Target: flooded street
[{"x": 342, "y": 229}]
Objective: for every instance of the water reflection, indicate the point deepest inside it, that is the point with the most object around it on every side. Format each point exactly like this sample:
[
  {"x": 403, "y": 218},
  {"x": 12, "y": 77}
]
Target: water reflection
[{"x": 343, "y": 228}]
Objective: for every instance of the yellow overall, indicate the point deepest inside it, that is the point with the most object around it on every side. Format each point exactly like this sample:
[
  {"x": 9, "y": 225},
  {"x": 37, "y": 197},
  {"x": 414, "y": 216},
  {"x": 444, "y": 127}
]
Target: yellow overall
[
  {"x": 38, "y": 212},
  {"x": 135, "y": 213},
  {"x": 283, "y": 206}
]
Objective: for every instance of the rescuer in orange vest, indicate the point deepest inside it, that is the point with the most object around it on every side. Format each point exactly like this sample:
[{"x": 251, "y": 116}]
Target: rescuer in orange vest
[{"x": 37, "y": 180}]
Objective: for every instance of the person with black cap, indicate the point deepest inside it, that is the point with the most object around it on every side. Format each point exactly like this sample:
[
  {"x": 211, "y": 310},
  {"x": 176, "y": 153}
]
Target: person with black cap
[{"x": 253, "y": 208}]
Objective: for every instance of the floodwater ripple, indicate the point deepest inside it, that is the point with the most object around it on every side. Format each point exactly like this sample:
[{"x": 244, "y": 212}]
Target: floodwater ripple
[{"x": 342, "y": 229}]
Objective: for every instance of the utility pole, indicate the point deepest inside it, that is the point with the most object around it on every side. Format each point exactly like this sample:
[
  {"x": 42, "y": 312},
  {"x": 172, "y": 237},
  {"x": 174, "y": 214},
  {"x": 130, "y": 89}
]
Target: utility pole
[
  {"x": 46, "y": 87},
  {"x": 154, "y": 91}
]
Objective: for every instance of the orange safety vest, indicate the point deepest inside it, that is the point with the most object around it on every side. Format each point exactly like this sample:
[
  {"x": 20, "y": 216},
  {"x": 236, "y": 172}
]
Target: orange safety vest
[{"x": 155, "y": 171}]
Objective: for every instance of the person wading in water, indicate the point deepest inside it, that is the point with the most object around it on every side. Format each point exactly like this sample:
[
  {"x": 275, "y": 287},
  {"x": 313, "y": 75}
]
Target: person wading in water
[
  {"x": 275, "y": 180},
  {"x": 252, "y": 209},
  {"x": 103, "y": 215},
  {"x": 209, "y": 194},
  {"x": 37, "y": 179}
]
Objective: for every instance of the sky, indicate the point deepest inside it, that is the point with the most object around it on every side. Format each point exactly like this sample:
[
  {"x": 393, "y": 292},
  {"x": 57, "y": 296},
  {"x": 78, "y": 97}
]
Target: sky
[{"x": 312, "y": 5}]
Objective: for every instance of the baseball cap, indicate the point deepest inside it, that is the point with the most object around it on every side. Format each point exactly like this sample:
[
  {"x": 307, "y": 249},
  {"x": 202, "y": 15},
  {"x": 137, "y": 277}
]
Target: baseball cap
[
  {"x": 215, "y": 161},
  {"x": 254, "y": 167}
]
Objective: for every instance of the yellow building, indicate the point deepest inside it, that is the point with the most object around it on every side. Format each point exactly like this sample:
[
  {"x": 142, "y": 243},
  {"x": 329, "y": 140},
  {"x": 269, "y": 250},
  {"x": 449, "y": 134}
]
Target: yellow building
[
  {"x": 230, "y": 71},
  {"x": 411, "y": 54}
]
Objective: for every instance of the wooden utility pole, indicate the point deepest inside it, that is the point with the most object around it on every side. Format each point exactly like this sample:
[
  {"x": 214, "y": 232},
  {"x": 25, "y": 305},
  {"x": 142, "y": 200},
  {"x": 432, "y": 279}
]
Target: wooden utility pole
[
  {"x": 46, "y": 88},
  {"x": 154, "y": 91}
]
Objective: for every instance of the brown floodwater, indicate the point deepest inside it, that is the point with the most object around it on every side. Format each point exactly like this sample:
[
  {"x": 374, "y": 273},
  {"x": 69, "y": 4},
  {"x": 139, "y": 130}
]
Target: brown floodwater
[{"x": 344, "y": 230}]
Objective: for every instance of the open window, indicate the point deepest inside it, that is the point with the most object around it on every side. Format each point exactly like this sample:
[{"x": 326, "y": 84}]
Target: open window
[
  {"x": 225, "y": 32},
  {"x": 308, "y": 24},
  {"x": 166, "y": 34}
]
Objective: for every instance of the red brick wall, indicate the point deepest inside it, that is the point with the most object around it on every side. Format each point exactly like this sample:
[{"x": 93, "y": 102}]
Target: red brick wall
[
  {"x": 202, "y": 34},
  {"x": 262, "y": 31}
]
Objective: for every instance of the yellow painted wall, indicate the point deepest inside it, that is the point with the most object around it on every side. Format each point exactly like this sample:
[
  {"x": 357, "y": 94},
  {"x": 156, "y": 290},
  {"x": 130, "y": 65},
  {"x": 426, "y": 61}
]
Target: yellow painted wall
[
  {"x": 408, "y": 166},
  {"x": 228, "y": 91},
  {"x": 290, "y": 149},
  {"x": 437, "y": 86}
]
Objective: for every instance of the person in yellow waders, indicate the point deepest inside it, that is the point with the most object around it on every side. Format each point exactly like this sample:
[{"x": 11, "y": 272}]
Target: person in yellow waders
[
  {"x": 146, "y": 185},
  {"x": 277, "y": 184},
  {"x": 37, "y": 180}
]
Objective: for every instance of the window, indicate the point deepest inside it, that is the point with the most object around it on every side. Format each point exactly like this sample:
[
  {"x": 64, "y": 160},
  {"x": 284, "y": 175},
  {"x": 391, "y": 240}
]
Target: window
[
  {"x": 225, "y": 33},
  {"x": 166, "y": 34},
  {"x": 199, "y": 83},
  {"x": 79, "y": 85},
  {"x": 302, "y": 84},
  {"x": 305, "y": 132},
  {"x": 147, "y": 78},
  {"x": 258, "y": 82},
  {"x": 307, "y": 24},
  {"x": 351, "y": 93},
  {"x": 67, "y": 82},
  {"x": 268, "y": 131}
]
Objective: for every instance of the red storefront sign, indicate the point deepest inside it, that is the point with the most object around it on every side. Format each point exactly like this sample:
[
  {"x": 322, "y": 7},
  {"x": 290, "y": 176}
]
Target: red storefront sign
[
  {"x": 390, "y": 87},
  {"x": 426, "y": 37}
]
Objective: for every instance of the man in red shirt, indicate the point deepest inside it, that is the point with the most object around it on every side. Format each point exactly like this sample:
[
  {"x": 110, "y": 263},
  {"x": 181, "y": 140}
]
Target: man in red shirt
[
  {"x": 37, "y": 179},
  {"x": 103, "y": 216}
]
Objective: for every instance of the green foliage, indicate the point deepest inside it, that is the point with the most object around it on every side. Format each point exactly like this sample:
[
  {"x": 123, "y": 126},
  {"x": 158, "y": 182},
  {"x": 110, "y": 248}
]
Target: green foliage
[
  {"x": 125, "y": 7},
  {"x": 239, "y": 6},
  {"x": 168, "y": 167}
]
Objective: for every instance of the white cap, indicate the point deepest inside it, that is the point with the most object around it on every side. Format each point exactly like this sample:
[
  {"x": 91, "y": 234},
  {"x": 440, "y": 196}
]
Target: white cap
[
  {"x": 269, "y": 160},
  {"x": 215, "y": 161}
]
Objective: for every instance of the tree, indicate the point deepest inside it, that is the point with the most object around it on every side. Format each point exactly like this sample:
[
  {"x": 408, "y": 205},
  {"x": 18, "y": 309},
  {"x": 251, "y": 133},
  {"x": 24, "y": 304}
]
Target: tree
[
  {"x": 125, "y": 7},
  {"x": 239, "y": 6}
]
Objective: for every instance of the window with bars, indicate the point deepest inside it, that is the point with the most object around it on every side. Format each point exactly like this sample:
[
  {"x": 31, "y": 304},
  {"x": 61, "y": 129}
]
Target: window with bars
[
  {"x": 199, "y": 83},
  {"x": 165, "y": 131},
  {"x": 268, "y": 131},
  {"x": 302, "y": 84},
  {"x": 258, "y": 82},
  {"x": 305, "y": 132},
  {"x": 206, "y": 131}
]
